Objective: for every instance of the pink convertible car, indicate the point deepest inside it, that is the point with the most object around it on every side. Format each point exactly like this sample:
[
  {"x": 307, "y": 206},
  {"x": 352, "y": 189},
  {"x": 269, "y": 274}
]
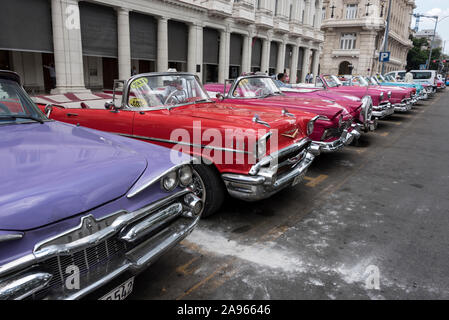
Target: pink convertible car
[
  {"x": 381, "y": 104},
  {"x": 335, "y": 128}
]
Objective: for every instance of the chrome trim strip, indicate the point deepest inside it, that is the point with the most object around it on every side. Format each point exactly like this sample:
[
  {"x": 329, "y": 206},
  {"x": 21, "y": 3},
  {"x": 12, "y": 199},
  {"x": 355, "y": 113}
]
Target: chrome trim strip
[
  {"x": 182, "y": 143},
  {"x": 151, "y": 223},
  {"x": 24, "y": 286},
  {"x": 10, "y": 237},
  {"x": 135, "y": 191}
]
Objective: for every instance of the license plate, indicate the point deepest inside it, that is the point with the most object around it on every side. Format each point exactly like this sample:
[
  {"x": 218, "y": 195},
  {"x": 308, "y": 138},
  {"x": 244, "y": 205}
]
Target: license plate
[
  {"x": 297, "y": 180},
  {"x": 121, "y": 292}
]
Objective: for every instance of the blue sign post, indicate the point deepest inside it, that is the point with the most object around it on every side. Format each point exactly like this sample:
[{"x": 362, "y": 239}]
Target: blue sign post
[{"x": 384, "y": 56}]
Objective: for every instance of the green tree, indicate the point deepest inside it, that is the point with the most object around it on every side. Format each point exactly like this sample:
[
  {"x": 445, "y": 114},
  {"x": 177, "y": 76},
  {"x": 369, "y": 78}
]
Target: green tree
[{"x": 419, "y": 54}]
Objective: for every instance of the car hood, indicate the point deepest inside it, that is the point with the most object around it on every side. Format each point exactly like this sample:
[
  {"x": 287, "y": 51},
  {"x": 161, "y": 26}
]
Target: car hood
[
  {"x": 236, "y": 115},
  {"x": 322, "y": 107},
  {"x": 351, "y": 103},
  {"x": 53, "y": 171}
]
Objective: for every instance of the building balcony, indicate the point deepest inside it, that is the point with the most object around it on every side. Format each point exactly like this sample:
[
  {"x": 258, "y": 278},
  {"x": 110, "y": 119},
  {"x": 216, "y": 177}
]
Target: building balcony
[
  {"x": 308, "y": 32},
  {"x": 345, "y": 53},
  {"x": 295, "y": 28},
  {"x": 243, "y": 11},
  {"x": 281, "y": 24},
  {"x": 264, "y": 19},
  {"x": 221, "y": 8},
  {"x": 366, "y": 22}
]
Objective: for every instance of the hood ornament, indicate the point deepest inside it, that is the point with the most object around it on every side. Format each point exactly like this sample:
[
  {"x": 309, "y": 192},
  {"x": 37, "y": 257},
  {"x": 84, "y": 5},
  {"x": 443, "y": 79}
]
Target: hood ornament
[
  {"x": 291, "y": 134},
  {"x": 285, "y": 113},
  {"x": 256, "y": 119}
]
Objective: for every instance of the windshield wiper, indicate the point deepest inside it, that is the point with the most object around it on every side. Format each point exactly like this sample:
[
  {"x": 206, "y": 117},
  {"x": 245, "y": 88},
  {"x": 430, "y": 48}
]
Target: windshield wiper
[{"x": 18, "y": 116}]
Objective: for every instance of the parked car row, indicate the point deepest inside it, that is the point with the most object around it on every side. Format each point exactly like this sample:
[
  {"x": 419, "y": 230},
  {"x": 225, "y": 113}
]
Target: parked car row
[{"x": 97, "y": 186}]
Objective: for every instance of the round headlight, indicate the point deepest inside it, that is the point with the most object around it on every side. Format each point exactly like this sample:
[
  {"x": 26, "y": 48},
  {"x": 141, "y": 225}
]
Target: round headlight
[
  {"x": 170, "y": 181},
  {"x": 389, "y": 94},
  {"x": 381, "y": 96},
  {"x": 185, "y": 174},
  {"x": 310, "y": 127}
]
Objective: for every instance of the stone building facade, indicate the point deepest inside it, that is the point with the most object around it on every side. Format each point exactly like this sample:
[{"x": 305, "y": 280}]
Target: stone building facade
[
  {"x": 87, "y": 44},
  {"x": 354, "y": 35}
]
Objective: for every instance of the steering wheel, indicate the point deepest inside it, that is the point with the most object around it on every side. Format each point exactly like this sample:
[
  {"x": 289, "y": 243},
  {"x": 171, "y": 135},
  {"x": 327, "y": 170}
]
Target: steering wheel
[
  {"x": 172, "y": 96},
  {"x": 4, "y": 108}
]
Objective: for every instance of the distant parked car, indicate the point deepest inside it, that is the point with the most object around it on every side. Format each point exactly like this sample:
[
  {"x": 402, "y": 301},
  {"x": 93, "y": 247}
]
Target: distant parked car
[{"x": 80, "y": 208}]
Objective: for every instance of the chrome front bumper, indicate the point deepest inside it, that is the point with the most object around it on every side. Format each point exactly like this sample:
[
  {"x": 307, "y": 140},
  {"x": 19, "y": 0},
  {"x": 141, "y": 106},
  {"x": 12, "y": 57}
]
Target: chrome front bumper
[
  {"x": 264, "y": 180},
  {"x": 346, "y": 138},
  {"x": 404, "y": 106},
  {"x": 152, "y": 241},
  {"x": 383, "y": 111}
]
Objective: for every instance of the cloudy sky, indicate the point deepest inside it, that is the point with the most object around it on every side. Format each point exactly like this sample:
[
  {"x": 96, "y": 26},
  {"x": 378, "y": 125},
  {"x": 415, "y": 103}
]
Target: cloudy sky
[{"x": 434, "y": 8}]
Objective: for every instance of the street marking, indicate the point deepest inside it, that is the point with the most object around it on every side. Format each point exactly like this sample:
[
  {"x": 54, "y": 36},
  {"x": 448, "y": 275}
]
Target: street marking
[
  {"x": 398, "y": 123},
  {"x": 313, "y": 182},
  {"x": 274, "y": 233},
  {"x": 205, "y": 280},
  {"x": 384, "y": 134},
  {"x": 360, "y": 151},
  {"x": 184, "y": 268}
]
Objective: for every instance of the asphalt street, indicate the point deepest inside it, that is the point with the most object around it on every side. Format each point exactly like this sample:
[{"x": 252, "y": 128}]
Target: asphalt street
[{"x": 370, "y": 222}]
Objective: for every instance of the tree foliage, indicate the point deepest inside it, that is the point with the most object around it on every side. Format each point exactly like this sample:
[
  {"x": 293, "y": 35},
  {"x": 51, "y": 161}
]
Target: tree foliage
[{"x": 419, "y": 54}]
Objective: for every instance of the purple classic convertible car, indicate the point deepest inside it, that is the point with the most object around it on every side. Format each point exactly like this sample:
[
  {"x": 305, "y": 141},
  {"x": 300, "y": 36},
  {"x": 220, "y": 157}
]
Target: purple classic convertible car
[{"x": 80, "y": 208}]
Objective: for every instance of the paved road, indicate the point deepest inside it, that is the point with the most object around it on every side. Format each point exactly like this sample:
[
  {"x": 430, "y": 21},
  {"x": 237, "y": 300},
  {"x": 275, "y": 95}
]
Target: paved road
[{"x": 381, "y": 208}]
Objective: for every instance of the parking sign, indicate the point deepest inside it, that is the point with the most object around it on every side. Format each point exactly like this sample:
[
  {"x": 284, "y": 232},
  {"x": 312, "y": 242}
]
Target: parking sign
[{"x": 384, "y": 56}]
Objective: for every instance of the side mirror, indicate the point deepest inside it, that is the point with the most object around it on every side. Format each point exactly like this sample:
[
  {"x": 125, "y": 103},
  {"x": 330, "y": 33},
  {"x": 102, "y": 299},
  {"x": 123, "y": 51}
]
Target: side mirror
[
  {"x": 111, "y": 106},
  {"x": 219, "y": 96}
]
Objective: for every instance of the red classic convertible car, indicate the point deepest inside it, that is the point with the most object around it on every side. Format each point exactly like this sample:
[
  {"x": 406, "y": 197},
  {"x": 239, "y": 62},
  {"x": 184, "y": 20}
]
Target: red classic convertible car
[{"x": 252, "y": 152}]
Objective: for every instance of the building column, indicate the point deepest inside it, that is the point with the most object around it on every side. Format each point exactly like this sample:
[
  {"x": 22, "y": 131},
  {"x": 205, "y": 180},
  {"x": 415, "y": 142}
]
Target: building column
[
  {"x": 265, "y": 64},
  {"x": 67, "y": 46},
  {"x": 308, "y": 13},
  {"x": 162, "y": 44},
  {"x": 305, "y": 64},
  {"x": 294, "y": 66},
  {"x": 124, "y": 44},
  {"x": 316, "y": 62},
  {"x": 247, "y": 53},
  {"x": 223, "y": 61},
  {"x": 281, "y": 58}
]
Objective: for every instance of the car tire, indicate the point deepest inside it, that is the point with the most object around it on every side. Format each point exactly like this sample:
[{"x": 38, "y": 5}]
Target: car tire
[{"x": 213, "y": 186}]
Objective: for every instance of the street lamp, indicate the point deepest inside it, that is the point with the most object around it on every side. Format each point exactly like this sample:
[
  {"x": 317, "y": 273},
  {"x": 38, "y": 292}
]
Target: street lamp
[
  {"x": 387, "y": 31},
  {"x": 367, "y": 8},
  {"x": 382, "y": 6},
  {"x": 333, "y": 8},
  {"x": 437, "y": 19}
]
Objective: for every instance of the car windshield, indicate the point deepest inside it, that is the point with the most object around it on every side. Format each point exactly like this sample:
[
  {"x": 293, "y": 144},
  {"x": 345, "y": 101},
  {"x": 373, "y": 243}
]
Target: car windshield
[
  {"x": 372, "y": 81},
  {"x": 422, "y": 75},
  {"x": 332, "y": 81},
  {"x": 255, "y": 87},
  {"x": 390, "y": 78},
  {"x": 16, "y": 106},
  {"x": 165, "y": 91},
  {"x": 359, "y": 81}
]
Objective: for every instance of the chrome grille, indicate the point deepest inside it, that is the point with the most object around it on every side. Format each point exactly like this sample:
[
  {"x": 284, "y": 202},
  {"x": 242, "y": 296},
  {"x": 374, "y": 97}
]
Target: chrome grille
[
  {"x": 86, "y": 260},
  {"x": 284, "y": 162}
]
